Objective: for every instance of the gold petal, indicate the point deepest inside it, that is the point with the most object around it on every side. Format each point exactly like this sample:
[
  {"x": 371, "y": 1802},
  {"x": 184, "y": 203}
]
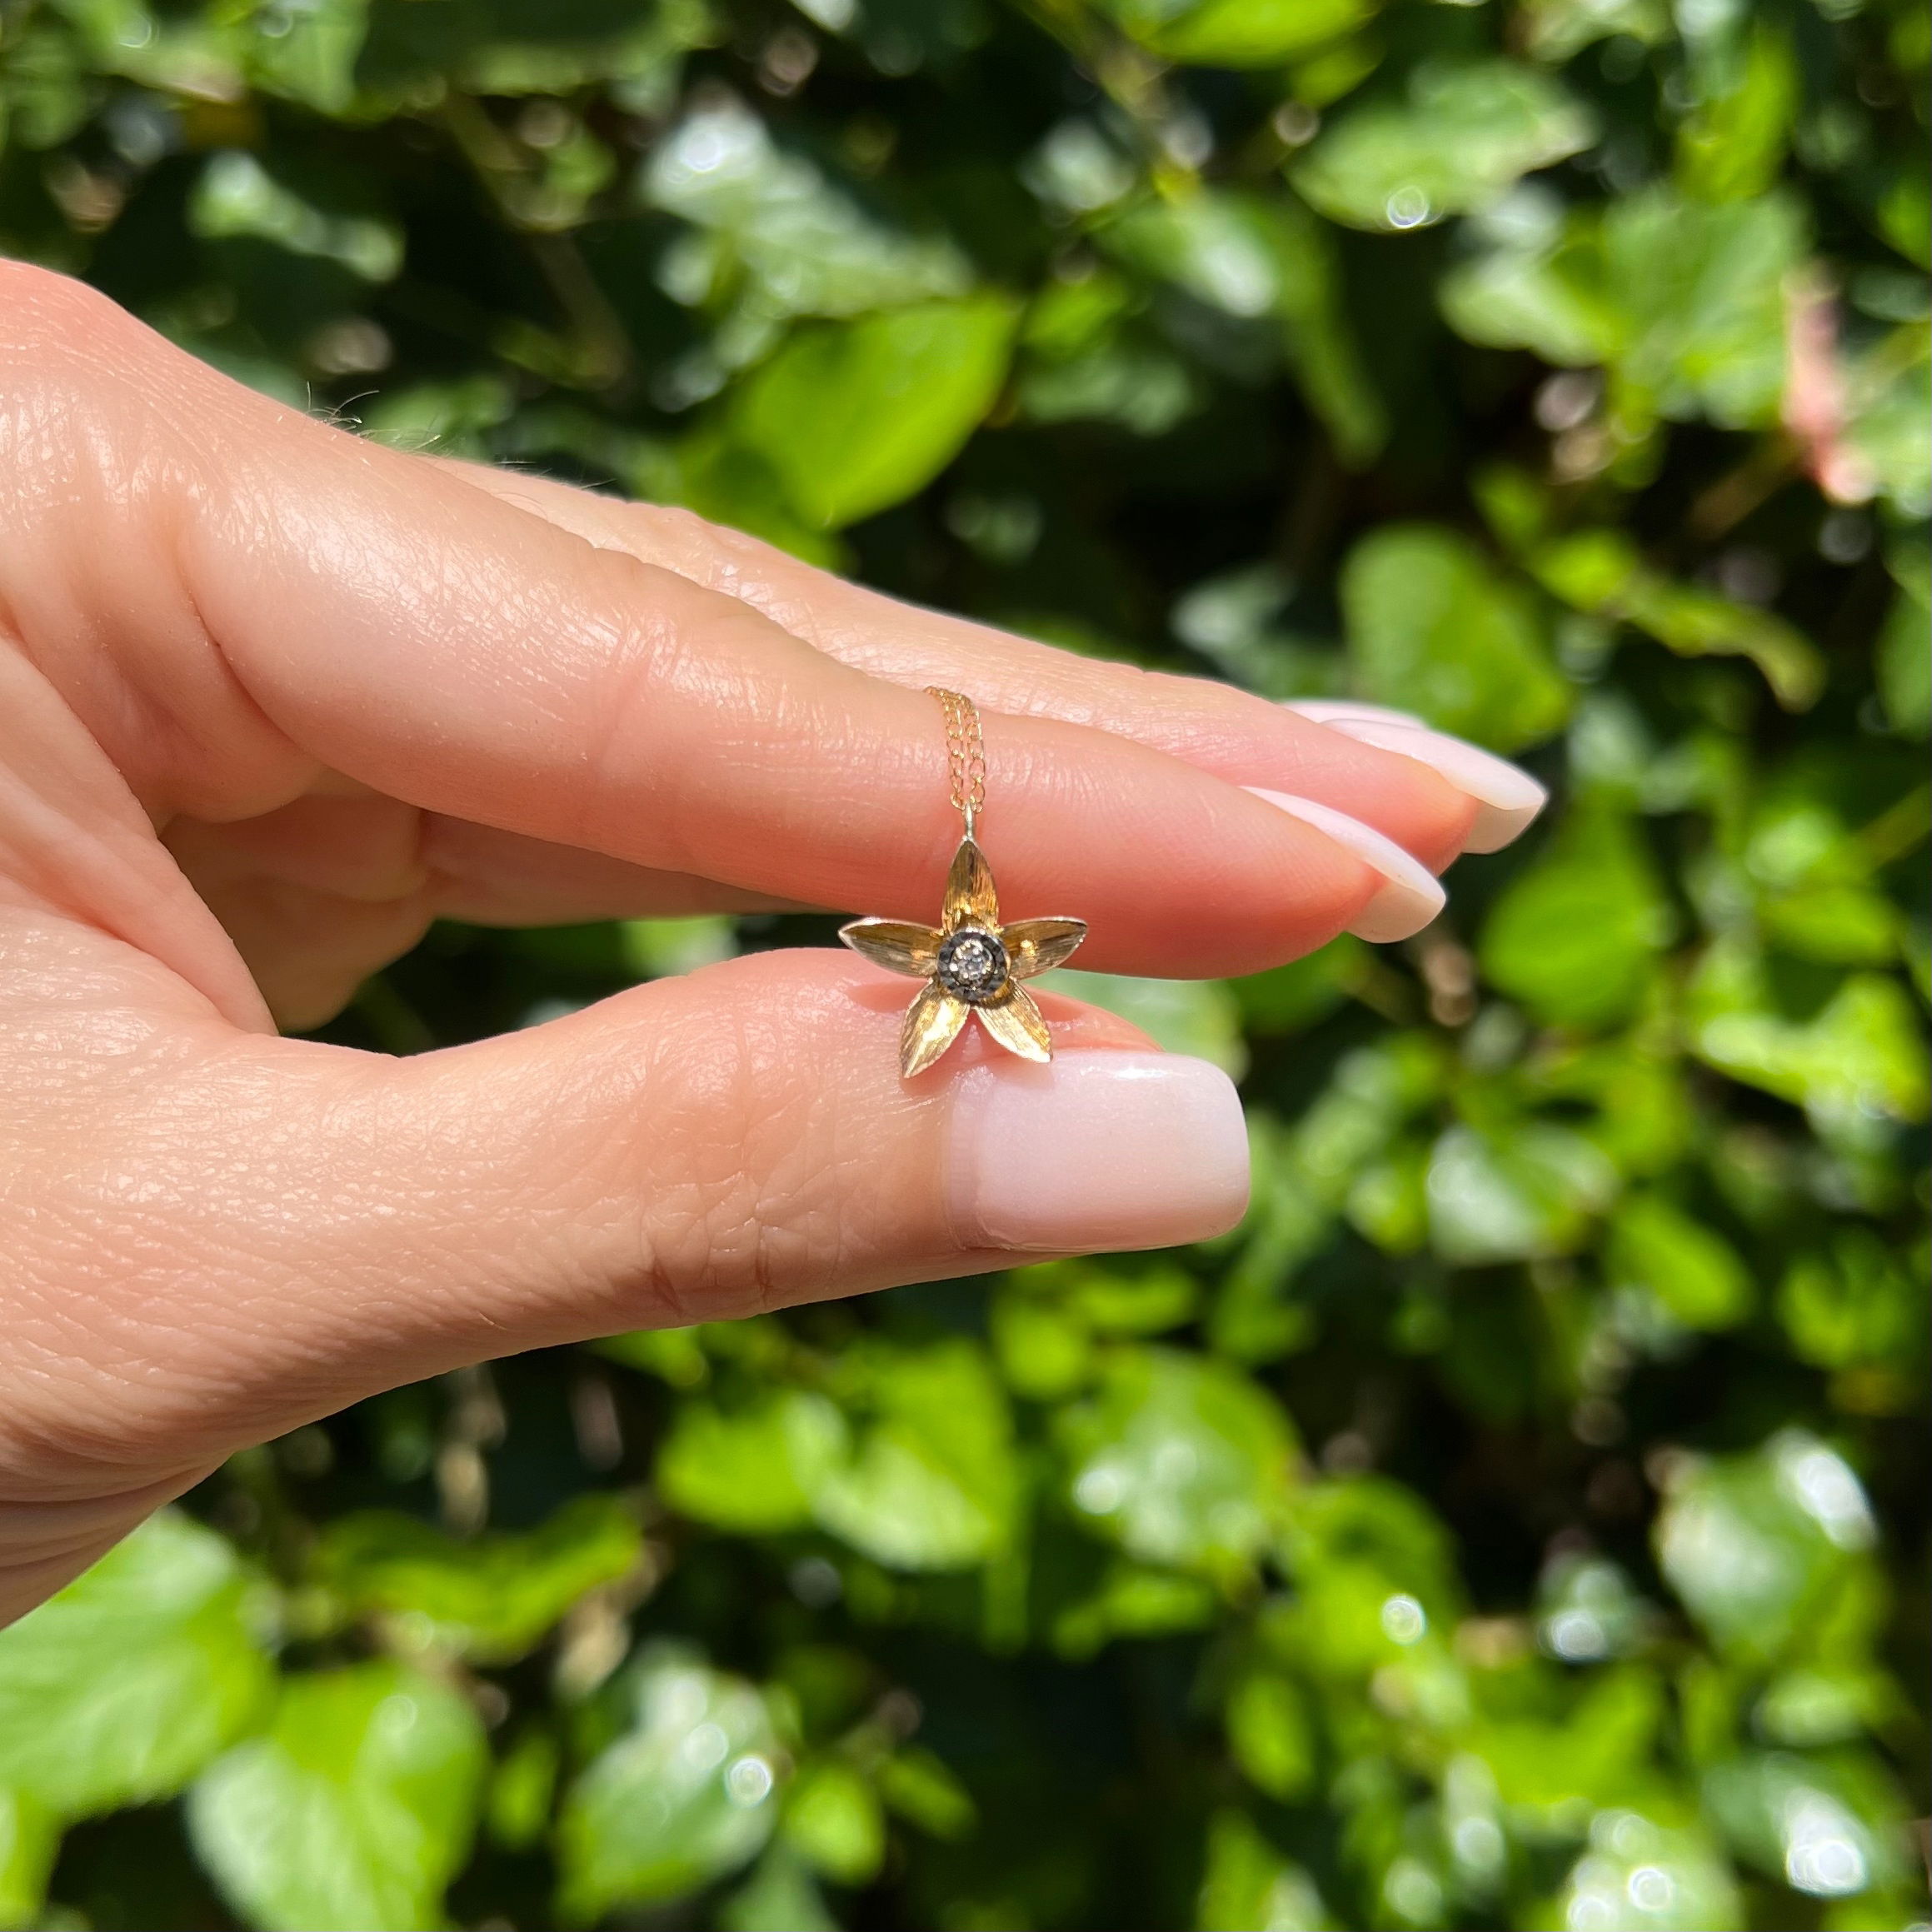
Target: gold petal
[
  {"x": 895, "y": 944},
  {"x": 1018, "y": 1025},
  {"x": 932, "y": 1024},
  {"x": 970, "y": 899},
  {"x": 1037, "y": 946}
]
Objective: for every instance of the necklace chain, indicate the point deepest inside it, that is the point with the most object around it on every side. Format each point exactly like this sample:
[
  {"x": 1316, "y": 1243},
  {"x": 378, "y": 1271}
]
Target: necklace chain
[{"x": 965, "y": 753}]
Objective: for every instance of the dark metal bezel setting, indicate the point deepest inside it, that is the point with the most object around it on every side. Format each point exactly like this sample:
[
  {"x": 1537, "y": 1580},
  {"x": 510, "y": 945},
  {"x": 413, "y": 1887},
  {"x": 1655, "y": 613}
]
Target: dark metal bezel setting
[{"x": 977, "y": 991}]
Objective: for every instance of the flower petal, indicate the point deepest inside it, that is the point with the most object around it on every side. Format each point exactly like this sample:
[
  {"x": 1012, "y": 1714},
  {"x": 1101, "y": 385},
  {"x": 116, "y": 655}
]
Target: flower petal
[
  {"x": 895, "y": 944},
  {"x": 1018, "y": 1025},
  {"x": 932, "y": 1024},
  {"x": 971, "y": 897},
  {"x": 1037, "y": 946}
]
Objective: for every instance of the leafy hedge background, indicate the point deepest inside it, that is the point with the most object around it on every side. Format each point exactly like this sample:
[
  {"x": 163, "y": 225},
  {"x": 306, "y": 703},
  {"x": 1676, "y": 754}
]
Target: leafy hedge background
[{"x": 1521, "y": 1520}]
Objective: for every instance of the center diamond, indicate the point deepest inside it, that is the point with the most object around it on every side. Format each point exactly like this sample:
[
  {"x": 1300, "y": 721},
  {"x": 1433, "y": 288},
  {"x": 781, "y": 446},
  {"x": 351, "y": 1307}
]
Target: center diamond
[{"x": 972, "y": 965}]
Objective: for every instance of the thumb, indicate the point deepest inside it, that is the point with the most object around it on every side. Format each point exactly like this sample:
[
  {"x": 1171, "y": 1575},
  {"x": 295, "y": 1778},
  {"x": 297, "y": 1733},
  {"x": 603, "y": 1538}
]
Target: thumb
[{"x": 314, "y": 1224}]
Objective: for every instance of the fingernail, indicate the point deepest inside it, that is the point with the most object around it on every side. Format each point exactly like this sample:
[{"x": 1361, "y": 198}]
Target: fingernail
[
  {"x": 1507, "y": 797},
  {"x": 1412, "y": 894},
  {"x": 1328, "y": 711},
  {"x": 1097, "y": 1150}
]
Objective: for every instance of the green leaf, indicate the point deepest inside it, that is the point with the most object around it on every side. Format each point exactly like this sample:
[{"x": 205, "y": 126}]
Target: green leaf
[
  {"x": 1647, "y": 1878},
  {"x": 806, "y": 245},
  {"x": 1254, "y": 255},
  {"x": 1602, "y": 573},
  {"x": 29, "y": 1838},
  {"x": 121, "y": 1687},
  {"x": 920, "y": 1788},
  {"x": 1693, "y": 1273},
  {"x": 1751, "y": 1544},
  {"x": 932, "y": 1483},
  {"x": 1904, "y": 661},
  {"x": 1132, "y": 1600},
  {"x": 832, "y": 1817},
  {"x": 1270, "y": 1735},
  {"x": 1465, "y": 135},
  {"x": 1366, "y": 1554},
  {"x": 491, "y": 1599},
  {"x": 1684, "y": 300},
  {"x": 1703, "y": 291},
  {"x": 1577, "y": 938},
  {"x": 1731, "y": 148},
  {"x": 856, "y": 417},
  {"x": 1860, "y": 1055},
  {"x": 1182, "y": 1460},
  {"x": 1238, "y": 33},
  {"x": 1889, "y": 440},
  {"x": 1557, "y": 29},
  {"x": 752, "y": 1470},
  {"x": 1826, "y": 1830},
  {"x": 237, "y": 196},
  {"x": 1551, "y": 1775},
  {"x": 1248, "y": 1886},
  {"x": 1858, "y": 1303},
  {"x": 1432, "y": 628},
  {"x": 1044, "y": 1349},
  {"x": 780, "y": 1895},
  {"x": 1531, "y": 1192},
  {"x": 685, "y": 1795},
  {"x": 354, "y": 1810}
]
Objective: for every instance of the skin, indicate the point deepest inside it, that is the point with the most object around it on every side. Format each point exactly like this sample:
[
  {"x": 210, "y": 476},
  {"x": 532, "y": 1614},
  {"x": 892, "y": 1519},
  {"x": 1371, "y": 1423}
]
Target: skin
[{"x": 273, "y": 698}]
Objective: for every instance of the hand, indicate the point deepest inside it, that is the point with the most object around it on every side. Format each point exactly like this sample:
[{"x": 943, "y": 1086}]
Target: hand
[{"x": 275, "y": 697}]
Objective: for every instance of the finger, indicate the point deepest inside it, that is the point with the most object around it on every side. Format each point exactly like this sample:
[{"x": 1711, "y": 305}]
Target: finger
[
  {"x": 313, "y": 1224},
  {"x": 323, "y": 892},
  {"x": 289, "y": 600},
  {"x": 1449, "y": 797}
]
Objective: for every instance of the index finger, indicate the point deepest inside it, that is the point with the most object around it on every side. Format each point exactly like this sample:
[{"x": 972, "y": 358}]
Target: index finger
[{"x": 287, "y": 598}]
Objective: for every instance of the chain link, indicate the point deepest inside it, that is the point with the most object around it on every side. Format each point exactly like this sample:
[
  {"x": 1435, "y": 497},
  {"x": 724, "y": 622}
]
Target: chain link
[{"x": 965, "y": 753}]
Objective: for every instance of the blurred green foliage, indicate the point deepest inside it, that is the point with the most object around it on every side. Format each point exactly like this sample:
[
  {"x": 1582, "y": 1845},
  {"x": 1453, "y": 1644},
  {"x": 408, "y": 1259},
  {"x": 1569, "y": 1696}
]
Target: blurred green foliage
[{"x": 1520, "y": 1520}]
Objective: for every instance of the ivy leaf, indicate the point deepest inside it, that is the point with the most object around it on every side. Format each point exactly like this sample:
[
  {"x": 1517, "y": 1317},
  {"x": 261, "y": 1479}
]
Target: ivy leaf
[
  {"x": 1860, "y": 1055},
  {"x": 1649, "y": 1877},
  {"x": 29, "y": 1838},
  {"x": 855, "y": 417},
  {"x": 492, "y": 1598},
  {"x": 355, "y": 1809},
  {"x": 1182, "y": 1460},
  {"x": 683, "y": 1796},
  {"x": 1531, "y": 1192},
  {"x": 1694, "y": 1272},
  {"x": 1577, "y": 937},
  {"x": 1238, "y": 33},
  {"x": 1751, "y": 1544},
  {"x": 833, "y": 1818},
  {"x": 1433, "y": 628},
  {"x": 121, "y": 1687},
  {"x": 932, "y": 1483},
  {"x": 753, "y": 1470},
  {"x": 1246, "y": 1882},
  {"x": 1466, "y": 133}
]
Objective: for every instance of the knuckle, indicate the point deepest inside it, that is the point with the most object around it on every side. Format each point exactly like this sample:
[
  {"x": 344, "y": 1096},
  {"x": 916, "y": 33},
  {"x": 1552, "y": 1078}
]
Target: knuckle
[{"x": 742, "y": 1205}]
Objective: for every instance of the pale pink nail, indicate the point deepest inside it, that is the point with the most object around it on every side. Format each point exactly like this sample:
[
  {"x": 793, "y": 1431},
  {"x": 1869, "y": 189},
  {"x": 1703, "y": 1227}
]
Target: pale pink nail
[
  {"x": 1328, "y": 711},
  {"x": 1411, "y": 894},
  {"x": 1507, "y": 797},
  {"x": 1096, "y": 1150}
]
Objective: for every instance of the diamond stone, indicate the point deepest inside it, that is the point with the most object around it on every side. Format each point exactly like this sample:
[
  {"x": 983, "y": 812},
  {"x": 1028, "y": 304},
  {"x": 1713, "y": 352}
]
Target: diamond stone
[{"x": 972, "y": 965}]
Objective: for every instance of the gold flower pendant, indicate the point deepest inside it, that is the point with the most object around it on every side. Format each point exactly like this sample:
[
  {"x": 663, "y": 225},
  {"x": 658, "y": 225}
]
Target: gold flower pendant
[{"x": 970, "y": 962}]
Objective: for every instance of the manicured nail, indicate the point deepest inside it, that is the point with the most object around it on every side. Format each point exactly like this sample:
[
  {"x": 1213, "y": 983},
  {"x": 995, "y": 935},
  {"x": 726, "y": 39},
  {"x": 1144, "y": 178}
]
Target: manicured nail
[
  {"x": 1507, "y": 797},
  {"x": 1411, "y": 897},
  {"x": 1097, "y": 1150},
  {"x": 1328, "y": 711}
]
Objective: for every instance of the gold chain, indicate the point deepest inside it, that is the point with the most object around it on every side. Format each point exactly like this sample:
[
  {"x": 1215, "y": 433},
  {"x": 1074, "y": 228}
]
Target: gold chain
[{"x": 965, "y": 752}]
